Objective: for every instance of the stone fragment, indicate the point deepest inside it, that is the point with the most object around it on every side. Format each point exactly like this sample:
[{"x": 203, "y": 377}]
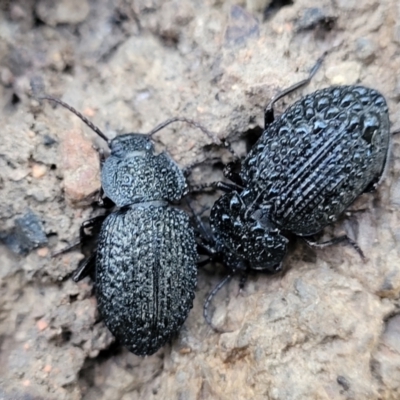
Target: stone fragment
[
  {"x": 345, "y": 73},
  {"x": 80, "y": 166},
  {"x": 63, "y": 11},
  {"x": 242, "y": 26},
  {"x": 366, "y": 50},
  {"x": 26, "y": 235},
  {"x": 38, "y": 171}
]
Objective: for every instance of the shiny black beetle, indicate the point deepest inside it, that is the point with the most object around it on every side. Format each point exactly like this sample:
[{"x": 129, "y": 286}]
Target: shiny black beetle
[
  {"x": 145, "y": 262},
  {"x": 307, "y": 167}
]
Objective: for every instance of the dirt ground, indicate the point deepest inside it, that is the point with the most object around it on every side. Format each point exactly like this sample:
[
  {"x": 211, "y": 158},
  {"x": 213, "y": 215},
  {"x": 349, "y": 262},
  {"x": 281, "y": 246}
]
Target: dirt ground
[{"x": 326, "y": 328}]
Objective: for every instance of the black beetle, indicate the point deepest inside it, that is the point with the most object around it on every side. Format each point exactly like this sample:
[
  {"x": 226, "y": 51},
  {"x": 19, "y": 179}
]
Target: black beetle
[
  {"x": 307, "y": 167},
  {"x": 145, "y": 260}
]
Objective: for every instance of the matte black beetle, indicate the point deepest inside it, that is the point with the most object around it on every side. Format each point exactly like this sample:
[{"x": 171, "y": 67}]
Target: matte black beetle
[
  {"x": 307, "y": 167},
  {"x": 145, "y": 261}
]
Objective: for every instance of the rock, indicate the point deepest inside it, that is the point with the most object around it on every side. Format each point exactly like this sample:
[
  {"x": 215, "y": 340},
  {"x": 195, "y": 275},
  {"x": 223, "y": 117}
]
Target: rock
[
  {"x": 257, "y": 5},
  {"x": 345, "y": 73},
  {"x": 80, "y": 166},
  {"x": 242, "y": 26},
  {"x": 312, "y": 18},
  {"x": 366, "y": 50},
  {"x": 38, "y": 171},
  {"x": 26, "y": 235},
  {"x": 63, "y": 11}
]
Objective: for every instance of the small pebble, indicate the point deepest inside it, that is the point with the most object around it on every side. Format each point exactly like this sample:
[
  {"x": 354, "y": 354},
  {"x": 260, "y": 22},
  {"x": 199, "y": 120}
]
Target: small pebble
[
  {"x": 63, "y": 11},
  {"x": 42, "y": 252},
  {"x": 257, "y": 5},
  {"x": 6, "y": 77},
  {"x": 81, "y": 167},
  {"x": 345, "y": 73},
  {"x": 366, "y": 50},
  {"x": 17, "y": 12},
  {"x": 185, "y": 350},
  {"x": 39, "y": 171},
  {"x": 47, "y": 368},
  {"x": 241, "y": 27},
  {"x": 89, "y": 112},
  {"x": 42, "y": 324}
]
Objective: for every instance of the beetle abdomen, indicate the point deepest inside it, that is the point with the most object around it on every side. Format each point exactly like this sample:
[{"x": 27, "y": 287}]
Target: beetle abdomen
[{"x": 145, "y": 274}]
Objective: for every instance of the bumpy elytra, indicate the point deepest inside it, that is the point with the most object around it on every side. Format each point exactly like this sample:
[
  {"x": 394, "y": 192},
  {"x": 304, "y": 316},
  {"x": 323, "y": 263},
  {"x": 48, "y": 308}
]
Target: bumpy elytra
[
  {"x": 308, "y": 166},
  {"x": 146, "y": 258}
]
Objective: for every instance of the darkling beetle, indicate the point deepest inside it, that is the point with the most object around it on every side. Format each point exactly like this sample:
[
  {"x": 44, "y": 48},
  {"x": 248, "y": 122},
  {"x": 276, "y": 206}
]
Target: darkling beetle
[
  {"x": 307, "y": 167},
  {"x": 145, "y": 262}
]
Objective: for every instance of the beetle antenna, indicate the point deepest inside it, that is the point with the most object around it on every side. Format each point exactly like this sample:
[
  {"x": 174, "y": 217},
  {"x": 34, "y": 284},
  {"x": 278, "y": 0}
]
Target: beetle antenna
[
  {"x": 192, "y": 122},
  {"x": 90, "y": 124}
]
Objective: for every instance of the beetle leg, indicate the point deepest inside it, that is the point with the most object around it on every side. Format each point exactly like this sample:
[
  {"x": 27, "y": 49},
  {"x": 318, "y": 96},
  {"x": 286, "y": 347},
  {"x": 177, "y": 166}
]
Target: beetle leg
[
  {"x": 83, "y": 236},
  {"x": 103, "y": 201},
  {"x": 229, "y": 147},
  {"x": 269, "y": 110},
  {"x": 208, "y": 301},
  {"x": 204, "y": 234},
  {"x": 66, "y": 249},
  {"x": 90, "y": 223},
  {"x": 188, "y": 169},
  {"x": 224, "y": 186},
  {"x": 228, "y": 187},
  {"x": 231, "y": 174},
  {"x": 202, "y": 263},
  {"x": 85, "y": 267},
  {"x": 242, "y": 282},
  {"x": 336, "y": 240},
  {"x": 208, "y": 250}
]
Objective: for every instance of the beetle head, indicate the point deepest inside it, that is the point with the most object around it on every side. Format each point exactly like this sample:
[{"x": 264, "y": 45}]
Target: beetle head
[
  {"x": 243, "y": 227},
  {"x": 123, "y": 145}
]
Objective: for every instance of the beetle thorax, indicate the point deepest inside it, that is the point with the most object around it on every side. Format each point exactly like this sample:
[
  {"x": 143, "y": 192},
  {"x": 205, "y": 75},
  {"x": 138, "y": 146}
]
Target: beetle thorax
[
  {"x": 244, "y": 228},
  {"x": 134, "y": 173}
]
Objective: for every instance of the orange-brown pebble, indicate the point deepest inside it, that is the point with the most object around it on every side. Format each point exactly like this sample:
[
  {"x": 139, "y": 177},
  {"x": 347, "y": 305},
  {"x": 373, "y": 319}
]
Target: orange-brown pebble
[
  {"x": 38, "y": 170},
  {"x": 42, "y": 252},
  {"x": 89, "y": 112},
  {"x": 47, "y": 368},
  {"x": 191, "y": 144},
  {"x": 80, "y": 165},
  {"x": 42, "y": 324},
  {"x": 185, "y": 350}
]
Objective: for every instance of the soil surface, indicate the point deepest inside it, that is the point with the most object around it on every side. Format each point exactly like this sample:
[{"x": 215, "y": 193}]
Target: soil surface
[{"x": 328, "y": 327}]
